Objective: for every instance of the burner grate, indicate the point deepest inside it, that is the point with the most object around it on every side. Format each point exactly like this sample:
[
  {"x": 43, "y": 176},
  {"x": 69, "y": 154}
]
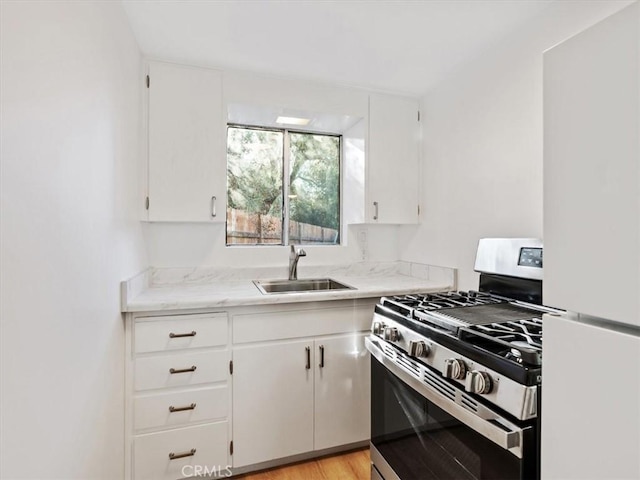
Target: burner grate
[
  {"x": 427, "y": 302},
  {"x": 491, "y": 314},
  {"x": 527, "y": 333},
  {"x": 519, "y": 341}
]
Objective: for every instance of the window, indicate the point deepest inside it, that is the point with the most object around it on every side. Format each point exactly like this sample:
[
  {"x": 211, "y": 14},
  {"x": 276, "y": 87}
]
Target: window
[{"x": 283, "y": 187}]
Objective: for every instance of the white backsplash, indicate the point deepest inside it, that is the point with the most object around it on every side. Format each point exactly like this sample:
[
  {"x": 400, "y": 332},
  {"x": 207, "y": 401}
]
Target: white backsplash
[{"x": 156, "y": 277}]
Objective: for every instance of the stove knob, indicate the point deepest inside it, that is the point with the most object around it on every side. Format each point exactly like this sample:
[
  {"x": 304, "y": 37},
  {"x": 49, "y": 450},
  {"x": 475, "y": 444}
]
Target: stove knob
[
  {"x": 391, "y": 334},
  {"x": 377, "y": 328},
  {"x": 478, "y": 382},
  {"x": 418, "y": 348},
  {"x": 454, "y": 368}
]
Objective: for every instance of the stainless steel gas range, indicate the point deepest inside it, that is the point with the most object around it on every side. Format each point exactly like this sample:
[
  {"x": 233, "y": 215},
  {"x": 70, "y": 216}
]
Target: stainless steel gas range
[{"x": 456, "y": 376}]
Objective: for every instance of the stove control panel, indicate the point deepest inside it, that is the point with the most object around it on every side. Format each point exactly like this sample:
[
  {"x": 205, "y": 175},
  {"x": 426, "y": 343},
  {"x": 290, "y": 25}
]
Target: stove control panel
[
  {"x": 478, "y": 382},
  {"x": 454, "y": 368},
  {"x": 402, "y": 337}
]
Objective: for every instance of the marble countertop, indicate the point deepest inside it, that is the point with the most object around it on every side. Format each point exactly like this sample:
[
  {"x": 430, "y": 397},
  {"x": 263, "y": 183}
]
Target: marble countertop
[{"x": 202, "y": 288}]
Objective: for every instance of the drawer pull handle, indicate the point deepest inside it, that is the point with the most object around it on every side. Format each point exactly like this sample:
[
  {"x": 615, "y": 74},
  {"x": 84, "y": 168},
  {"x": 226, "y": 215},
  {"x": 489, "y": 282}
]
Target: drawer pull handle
[
  {"x": 321, "y": 347},
  {"x": 182, "y": 370},
  {"x": 179, "y": 335},
  {"x": 182, "y": 409},
  {"x": 308, "y": 352},
  {"x": 175, "y": 456}
]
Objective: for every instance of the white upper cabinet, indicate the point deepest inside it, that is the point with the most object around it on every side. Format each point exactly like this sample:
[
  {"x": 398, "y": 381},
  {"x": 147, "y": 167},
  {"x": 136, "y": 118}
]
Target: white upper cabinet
[
  {"x": 592, "y": 170},
  {"x": 392, "y": 165},
  {"x": 187, "y": 112},
  {"x": 186, "y": 144}
]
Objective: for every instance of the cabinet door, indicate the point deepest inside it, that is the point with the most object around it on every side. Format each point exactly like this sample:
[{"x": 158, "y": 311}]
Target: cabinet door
[
  {"x": 187, "y": 164},
  {"x": 392, "y": 163},
  {"x": 272, "y": 401},
  {"x": 592, "y": 170},
  {"x": 341, "y": 391}
]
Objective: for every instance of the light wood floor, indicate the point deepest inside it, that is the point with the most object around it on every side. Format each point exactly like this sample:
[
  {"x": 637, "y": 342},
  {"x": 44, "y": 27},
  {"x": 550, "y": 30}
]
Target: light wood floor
[{"x": 347, "y": 466}]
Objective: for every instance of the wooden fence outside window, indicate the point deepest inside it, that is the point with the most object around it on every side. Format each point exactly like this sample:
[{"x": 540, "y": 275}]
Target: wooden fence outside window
[{"x": 254, "y": 228}]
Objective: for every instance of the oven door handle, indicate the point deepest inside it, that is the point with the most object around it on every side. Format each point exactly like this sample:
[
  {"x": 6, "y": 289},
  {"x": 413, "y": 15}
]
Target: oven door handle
[{"x": 489, "y": 424}]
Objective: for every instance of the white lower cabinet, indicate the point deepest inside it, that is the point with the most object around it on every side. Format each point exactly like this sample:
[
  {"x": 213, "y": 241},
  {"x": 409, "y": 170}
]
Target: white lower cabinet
[
  {"x": 246, "y": 387},
  {"x": 299, "y": 395},
  {"x": 178, "y": 396},
  {"x": 291, "y": 398},
  {"x": 272, "y": 401},
  {"x": 342, "y": 391}
]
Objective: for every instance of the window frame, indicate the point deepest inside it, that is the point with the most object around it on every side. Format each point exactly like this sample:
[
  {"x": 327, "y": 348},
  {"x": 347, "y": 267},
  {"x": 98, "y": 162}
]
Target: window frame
[{"x": 286, "y": 163}]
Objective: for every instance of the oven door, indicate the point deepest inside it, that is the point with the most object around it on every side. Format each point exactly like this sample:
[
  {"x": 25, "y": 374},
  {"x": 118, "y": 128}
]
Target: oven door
[{"x": 423, "y": 427}]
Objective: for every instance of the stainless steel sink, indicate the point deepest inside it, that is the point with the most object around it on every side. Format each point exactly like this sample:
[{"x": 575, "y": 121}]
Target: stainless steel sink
[{"x": 267, "y": 287}]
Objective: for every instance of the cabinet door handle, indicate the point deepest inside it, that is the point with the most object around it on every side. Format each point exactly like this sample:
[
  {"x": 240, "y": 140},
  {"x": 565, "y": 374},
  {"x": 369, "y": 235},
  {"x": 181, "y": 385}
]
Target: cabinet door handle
[
  {"x": 182, "y": 409},
  {"x": 321, "y": 348},
  {"x": 213, "y": 206},
  {"x": 308, "y": 351},
  {"x": 178, "y": 335},
  {"x": 182, "y": 370},
  {"x": 375, "y": 210},
  {"x": 175, "y": 456}
]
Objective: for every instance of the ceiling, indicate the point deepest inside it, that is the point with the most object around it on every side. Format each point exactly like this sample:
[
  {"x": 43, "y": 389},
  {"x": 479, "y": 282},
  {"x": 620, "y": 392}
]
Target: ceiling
[{"x": 400, "y": 46}]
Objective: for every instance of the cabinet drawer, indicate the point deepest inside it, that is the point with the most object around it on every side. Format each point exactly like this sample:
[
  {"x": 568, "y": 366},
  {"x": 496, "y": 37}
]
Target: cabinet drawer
[
  {"x": 207, "y": 442},
  {"x": 188, "y": 407},
  {"x": 159, "y": 334},
  {"x": 188, "y": 368},
  {"x": 259, "y": 327}
]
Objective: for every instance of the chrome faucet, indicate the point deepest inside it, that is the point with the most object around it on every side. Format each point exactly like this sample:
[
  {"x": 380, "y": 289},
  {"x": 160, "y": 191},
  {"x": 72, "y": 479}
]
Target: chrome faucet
[{"x": 294, "y": 256}]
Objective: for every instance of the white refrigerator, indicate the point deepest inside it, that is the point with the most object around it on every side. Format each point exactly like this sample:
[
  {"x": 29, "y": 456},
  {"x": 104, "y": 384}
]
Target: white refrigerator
[
  {"x": 591, "y": 365},
  {"x": 590, "y": 400}
]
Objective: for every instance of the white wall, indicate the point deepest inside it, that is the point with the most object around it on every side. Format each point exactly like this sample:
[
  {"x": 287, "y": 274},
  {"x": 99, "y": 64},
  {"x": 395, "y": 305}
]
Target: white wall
[
  {"x": 70, "y": 129},
  {"x": 194, "y": 245},
  {"x": 482, "y": 150}
]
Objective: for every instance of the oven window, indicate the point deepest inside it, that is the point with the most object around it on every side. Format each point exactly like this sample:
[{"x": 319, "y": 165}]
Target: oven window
[{"x": 420, "y": 441}]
